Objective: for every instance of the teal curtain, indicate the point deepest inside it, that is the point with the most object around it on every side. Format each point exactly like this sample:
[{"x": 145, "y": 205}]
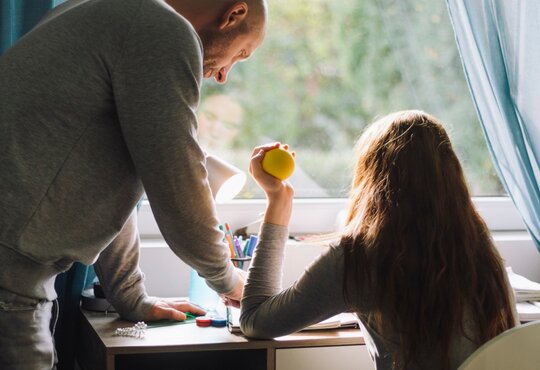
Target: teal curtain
[
  {"x": 69, "y": 286},
  {"x": 19, "y": 16},
  {"x": 499, "y": 44}
]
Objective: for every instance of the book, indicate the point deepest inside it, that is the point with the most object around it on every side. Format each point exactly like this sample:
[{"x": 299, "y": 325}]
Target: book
[
  {"x": 340, "y": 321},
  {"x": 528, "y": 311},
  {"x": 524, "y": 289}
]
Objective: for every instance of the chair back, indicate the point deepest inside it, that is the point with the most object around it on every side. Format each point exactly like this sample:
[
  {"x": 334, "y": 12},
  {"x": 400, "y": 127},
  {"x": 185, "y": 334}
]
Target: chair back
[{"x": 517, "y": 348}]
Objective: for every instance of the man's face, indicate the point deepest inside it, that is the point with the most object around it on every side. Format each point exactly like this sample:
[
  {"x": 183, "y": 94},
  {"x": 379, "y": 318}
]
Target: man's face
[{"x": 222, "y": 49}]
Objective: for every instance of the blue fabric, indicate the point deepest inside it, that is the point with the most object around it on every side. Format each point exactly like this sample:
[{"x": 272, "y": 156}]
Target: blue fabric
[
  {"x": 19, "y": 16},
  {"x": 69, "y": 286},
  {"x": 499, "y": 43},
  {"x": 16, "y": 18}
]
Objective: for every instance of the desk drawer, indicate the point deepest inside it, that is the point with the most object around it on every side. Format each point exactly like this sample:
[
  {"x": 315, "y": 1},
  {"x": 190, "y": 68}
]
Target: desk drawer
[{"x": 324, "y": 358}]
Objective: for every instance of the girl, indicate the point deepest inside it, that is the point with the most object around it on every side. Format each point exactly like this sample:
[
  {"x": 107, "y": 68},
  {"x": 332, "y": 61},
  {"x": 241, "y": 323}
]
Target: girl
[{"x": 415, "y": 261}]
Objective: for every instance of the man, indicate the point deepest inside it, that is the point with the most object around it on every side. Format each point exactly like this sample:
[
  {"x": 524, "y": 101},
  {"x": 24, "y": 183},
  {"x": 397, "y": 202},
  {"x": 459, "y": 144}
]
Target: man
[{"x": 98, "y": 103}]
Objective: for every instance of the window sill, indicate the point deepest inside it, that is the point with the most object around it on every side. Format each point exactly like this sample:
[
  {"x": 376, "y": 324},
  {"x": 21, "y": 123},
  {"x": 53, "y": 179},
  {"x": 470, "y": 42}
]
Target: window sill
[{"x": 321, "y": 215}]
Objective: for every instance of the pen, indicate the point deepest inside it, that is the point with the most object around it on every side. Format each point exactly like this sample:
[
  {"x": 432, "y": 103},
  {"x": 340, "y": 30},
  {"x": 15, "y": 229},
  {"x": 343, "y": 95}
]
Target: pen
[
  {"x": 229, "y": 241},
  {"x": 246, "y": 247},
  {"x": 229, "y": 237},
  {"x": 238, "y": 247},
  {"x": 252, "y": 243}
]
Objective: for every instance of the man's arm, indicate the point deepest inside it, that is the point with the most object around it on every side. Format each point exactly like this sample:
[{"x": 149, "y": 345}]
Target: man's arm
[
  {"x": 123, "y": 281},
  {"x": 120, "y": 276},
  {"x": 156, "y": 85}
]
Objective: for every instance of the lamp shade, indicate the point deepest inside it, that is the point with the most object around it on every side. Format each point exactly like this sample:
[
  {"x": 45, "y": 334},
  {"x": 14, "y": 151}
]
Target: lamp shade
[{"x": 225, "y": 180}]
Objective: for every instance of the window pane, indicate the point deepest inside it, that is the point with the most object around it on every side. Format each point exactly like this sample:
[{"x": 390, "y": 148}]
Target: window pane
[{"x": 325, "y": 71}]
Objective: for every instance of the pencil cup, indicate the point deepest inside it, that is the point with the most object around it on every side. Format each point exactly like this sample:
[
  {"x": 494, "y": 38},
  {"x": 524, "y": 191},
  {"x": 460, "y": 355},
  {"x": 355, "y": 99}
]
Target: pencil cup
[
  {"x": 201, "y": 294},
  {"x": 241, "y": 262}
]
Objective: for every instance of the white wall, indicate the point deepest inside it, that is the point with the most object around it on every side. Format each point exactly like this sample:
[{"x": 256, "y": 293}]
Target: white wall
[{"x": 168, "y": 276}]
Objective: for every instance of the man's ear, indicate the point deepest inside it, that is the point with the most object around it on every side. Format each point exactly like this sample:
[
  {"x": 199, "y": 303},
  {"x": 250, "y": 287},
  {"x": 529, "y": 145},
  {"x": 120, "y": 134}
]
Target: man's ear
[{"x": 234, "y": 16}]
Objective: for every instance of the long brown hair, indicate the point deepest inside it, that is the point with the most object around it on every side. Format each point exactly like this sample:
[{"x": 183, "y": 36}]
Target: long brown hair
[{"x": 413, "y": 234}]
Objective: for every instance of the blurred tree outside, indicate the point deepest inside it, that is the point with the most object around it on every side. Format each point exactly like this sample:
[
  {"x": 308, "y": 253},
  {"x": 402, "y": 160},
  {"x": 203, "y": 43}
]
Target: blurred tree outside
[{"x": 327, "y": 69}]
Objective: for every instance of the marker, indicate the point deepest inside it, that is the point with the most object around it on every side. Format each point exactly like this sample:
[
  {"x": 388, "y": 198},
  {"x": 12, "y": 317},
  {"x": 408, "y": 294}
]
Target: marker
[
  {"x": 238, "y": 247},
  {"x": 241, "y": 243},
  {"x": 229, "y": 236},
  {"x": 228, "y": 230},
  {"x": 252, "y": 243},
  {"x": 231, "y": 246},
  {"x": 246, "y": 248},
  {"x": 229, "y": 241}
]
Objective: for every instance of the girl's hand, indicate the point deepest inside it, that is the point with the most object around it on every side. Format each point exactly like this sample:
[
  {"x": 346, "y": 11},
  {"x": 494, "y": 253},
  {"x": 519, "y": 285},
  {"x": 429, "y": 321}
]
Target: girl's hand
[{"x": 279, "y": 193}]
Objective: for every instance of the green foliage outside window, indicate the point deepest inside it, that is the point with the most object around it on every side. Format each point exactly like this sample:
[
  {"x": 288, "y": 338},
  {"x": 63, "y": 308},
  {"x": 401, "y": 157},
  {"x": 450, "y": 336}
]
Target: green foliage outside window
[{"x": 328, "y": 68}]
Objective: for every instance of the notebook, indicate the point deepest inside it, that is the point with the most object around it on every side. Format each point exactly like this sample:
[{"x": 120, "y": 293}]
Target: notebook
[{"x": 343, "y": 320}]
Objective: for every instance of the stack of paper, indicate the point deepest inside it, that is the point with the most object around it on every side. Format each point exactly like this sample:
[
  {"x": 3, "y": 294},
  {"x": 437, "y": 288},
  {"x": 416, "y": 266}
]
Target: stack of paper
[
  {"x": 528, "y": 311},
  {"x": 343, "y": 320},
  {"x": 527, "y": 295},
  {"x": 524, "y": 289}
]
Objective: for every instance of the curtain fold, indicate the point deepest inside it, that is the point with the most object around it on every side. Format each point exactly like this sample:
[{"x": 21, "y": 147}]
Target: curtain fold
[
  {"x": 499, "y": 44},
  {"x": 19, "y": 16}
]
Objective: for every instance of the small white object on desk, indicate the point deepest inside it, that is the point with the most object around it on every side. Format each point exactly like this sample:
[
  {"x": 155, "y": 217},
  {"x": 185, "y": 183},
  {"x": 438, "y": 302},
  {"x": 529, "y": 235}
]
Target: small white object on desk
[{"x": 136, "y": 331}]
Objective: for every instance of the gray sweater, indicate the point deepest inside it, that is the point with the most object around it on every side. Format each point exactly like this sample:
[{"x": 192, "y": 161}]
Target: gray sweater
[
  {"x": 268, "y": 311},
  {"x": 97, "y": 105}
]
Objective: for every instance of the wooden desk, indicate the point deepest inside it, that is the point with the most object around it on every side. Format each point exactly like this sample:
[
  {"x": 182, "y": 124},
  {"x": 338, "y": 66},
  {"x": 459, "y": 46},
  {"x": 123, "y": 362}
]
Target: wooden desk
[{"x": 188, "y": 346}]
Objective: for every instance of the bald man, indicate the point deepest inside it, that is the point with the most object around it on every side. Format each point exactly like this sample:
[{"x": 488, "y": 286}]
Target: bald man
[{"x": 98, "y": 105}]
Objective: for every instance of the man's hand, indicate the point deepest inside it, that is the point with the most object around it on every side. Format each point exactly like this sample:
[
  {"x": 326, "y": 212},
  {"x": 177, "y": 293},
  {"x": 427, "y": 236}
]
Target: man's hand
[
  {"x": 233, "y": 297},
  {"x": 170, "y": 309}
]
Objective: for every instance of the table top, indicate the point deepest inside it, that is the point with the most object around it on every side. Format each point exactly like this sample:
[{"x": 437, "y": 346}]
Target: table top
[{"x": 189, "y": 337}]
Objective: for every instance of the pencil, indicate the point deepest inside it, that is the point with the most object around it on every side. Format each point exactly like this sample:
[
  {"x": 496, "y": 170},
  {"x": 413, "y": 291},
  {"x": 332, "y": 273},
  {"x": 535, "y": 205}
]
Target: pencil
[{"x": 229, "y": 241}]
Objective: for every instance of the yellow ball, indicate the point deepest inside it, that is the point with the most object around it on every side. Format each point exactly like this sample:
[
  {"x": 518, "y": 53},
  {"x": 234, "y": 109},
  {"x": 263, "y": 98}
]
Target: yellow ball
[{"x": 278, "y": 163}]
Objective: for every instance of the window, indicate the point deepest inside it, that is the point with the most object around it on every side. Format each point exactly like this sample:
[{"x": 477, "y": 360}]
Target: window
[
  {"x": 325, "y": 71},
  {"x": 329, "y": 68}
]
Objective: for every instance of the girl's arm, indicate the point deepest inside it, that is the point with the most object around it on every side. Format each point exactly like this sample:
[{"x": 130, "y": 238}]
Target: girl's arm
[{"x": 267, "y": 311}]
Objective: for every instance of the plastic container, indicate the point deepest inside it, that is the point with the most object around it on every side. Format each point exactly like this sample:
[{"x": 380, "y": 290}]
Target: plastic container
[{"x": 201, "y": 294}]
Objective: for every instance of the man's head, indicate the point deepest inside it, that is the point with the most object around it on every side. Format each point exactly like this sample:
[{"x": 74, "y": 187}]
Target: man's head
[{"x": 230, "y": 30}]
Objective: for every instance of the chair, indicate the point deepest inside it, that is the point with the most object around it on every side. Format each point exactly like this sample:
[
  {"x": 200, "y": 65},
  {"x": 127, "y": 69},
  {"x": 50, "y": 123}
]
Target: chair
[{"x": 517, "y": 348}]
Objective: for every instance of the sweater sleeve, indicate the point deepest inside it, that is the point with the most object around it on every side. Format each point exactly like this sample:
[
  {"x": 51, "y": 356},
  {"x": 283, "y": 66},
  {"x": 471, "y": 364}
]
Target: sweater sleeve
[
  {"x": 120, "y": 276},
  {"x": 267, "y": 311},
  {"x": 156, "y": 82}
]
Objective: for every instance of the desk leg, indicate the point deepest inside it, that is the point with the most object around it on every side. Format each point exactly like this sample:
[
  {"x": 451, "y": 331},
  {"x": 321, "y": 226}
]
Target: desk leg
[
  {"x": 91, "y": 353},
  {"x": 271, "y": 359},
  {"x": 109, "y": 365}
]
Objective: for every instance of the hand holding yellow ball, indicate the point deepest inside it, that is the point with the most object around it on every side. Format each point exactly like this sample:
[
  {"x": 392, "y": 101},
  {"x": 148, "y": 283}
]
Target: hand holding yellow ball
[{"x": 279, "y": 163}]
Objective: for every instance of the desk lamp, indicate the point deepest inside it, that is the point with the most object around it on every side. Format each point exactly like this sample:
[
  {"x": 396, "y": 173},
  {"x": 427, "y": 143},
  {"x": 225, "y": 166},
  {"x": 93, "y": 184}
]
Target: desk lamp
[{"x": 225, "y": 180}]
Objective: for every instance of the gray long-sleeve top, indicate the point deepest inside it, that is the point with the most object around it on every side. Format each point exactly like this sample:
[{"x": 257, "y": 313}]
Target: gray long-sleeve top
[
  {"x": 97, "y": 105},
  {"x": 268, "y": 311}
]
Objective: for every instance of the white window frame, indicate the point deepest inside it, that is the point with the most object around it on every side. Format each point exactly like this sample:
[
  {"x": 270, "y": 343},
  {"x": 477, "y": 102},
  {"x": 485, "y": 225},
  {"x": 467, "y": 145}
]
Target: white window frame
[{"x": 320, "y": 215}]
